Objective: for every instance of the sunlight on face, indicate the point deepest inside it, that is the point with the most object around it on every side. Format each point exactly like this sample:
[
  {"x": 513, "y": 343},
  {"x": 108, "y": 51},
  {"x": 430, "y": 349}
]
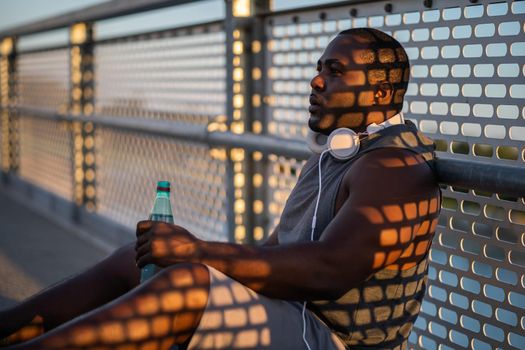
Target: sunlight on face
[
  {"x": 354, "y": 78},
  {"x": 350, "y": 120},
  {"x": 363, "y": 56},
  {"x": 342, "y": 99}
]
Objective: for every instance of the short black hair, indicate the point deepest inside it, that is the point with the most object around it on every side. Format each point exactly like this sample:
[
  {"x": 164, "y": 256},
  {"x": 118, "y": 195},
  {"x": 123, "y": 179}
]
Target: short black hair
[{"x": 388, "y": 55}]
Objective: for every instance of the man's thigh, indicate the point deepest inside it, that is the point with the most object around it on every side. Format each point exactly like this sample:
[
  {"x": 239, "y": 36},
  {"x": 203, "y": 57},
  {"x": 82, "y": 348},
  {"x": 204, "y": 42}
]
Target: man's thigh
[{"x": 238, "y": 318}]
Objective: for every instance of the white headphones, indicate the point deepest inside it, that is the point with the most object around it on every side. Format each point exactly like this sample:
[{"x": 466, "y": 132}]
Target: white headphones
[{"x": 343, "y": 143}]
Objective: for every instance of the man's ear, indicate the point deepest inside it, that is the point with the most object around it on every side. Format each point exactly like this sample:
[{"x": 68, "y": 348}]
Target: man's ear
[{"x": 383, "y": 93}]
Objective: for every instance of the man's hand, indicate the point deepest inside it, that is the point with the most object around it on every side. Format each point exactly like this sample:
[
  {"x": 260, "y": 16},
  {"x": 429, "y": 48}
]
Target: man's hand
[{"x": 164, "y": 244}]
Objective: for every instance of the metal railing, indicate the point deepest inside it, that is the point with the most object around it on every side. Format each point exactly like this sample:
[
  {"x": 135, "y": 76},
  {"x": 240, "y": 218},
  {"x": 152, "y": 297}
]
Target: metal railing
[{"x": 96, "y": 123}]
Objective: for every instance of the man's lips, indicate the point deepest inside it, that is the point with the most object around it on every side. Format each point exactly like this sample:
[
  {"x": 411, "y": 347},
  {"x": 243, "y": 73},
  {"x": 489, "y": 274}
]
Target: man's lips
[
  {"x": 314, "y": 100},
  {"x": 314, "y": 104},
  {"x": 314, "y": 109}
]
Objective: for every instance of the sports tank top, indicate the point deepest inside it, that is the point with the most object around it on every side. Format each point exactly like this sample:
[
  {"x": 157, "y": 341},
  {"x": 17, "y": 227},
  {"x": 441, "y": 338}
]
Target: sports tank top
[{"x": 379, "y": 313}]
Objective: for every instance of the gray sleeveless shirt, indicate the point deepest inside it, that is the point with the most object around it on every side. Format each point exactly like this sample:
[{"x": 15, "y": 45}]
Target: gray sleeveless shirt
[{"x": 382, "y": 310}]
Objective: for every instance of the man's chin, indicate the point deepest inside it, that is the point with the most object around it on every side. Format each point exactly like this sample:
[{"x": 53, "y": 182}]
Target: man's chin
[{"x": 313, "y": 123}]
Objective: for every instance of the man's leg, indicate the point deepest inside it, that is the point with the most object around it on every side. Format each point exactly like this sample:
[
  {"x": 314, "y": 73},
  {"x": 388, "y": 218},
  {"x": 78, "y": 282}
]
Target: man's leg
[
  {"x": 157, "y": 314},
  {"x": 68, "y": 299}
]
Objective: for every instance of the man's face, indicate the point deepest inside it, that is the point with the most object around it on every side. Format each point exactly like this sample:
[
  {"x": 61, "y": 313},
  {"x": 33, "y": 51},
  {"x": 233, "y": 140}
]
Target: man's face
[{"x": 344, "y": 89}]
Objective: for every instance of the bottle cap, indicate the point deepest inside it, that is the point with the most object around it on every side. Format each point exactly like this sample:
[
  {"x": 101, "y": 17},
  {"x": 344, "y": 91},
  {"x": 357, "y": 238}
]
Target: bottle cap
[{"x": 163, "y": 186}]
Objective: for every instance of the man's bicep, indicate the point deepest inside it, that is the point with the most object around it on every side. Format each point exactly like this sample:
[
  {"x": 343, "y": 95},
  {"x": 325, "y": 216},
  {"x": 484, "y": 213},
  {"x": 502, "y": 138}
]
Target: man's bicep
[
  {"x": 363, "y": 239},
  {"x": 378, "y": 224}
]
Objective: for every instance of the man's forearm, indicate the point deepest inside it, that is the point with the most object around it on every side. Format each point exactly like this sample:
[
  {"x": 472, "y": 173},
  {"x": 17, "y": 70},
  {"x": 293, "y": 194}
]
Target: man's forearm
[{"x": 296, "y": 272}]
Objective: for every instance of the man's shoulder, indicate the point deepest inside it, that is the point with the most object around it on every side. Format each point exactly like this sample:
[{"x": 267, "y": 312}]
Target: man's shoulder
[
  {"x": 310, "y": 163},
  {"x": 397, "y": 171}
]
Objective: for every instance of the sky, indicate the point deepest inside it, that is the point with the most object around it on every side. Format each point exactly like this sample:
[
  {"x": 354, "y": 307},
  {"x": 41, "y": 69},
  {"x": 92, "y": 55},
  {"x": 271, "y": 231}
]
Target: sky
[
  {"x": 15, "y": 12},
  {"x": 18, "y": 12}
]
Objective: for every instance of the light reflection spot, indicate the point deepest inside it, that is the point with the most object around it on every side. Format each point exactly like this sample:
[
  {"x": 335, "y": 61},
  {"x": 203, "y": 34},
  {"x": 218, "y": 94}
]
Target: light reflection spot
[
  {"x": 405, "y": 234},
  {"x": 171, "y": 301},
  {"x": 423, "y": 208},
  {"x": 372, "y": 214},
  {"x": 221, "y": 296},
  {"x": 386, "y": 56},
  {"x": 410, "y": 210},
  {"x": 388, "y": 237},
  {"x": 363, "y": 56},
  {"x": 112, "y": 332},
  {"x": 235, "y": 317},
  {"x": 84, "y": 336},
  {"x": 379, "y": 259},
  {"x": 240, "y": 293},
  {"x": 257, "y": 314},
  {"x": 247, "y": 339},
  {"x": 393, "y": 213},
  {"x": 147, "y": 305},
  {"x": 393, "y": 256},
  {"x": 196, "y": 298},
  {"x": 137, "y": 329},
  {"x": 160, "y": 326},
  {"x": 421, "y": 248}
]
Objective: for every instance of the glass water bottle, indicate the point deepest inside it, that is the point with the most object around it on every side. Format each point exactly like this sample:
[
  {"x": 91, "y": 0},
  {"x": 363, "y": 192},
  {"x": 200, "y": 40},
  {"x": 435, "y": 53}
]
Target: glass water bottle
[{"x": 161, "y": 211}]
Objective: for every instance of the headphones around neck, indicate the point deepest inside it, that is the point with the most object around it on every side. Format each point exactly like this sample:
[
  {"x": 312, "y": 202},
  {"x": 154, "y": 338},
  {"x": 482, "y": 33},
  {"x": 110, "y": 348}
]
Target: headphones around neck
[{"x": 343, "y": 143}]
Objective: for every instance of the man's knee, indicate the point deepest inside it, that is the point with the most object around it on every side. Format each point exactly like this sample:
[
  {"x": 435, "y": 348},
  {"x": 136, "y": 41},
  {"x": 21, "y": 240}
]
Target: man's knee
[
  {"x": 185, "y": 275},
  {"x": 181, "y": 288}
]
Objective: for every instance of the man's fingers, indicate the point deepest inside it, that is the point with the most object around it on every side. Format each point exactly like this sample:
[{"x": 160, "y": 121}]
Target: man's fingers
[
  {"x": 142, "y": 250},
  {"x": 144, "y": 260},
  {"x": 141, "y": 240},
  {"x": 143, "y": 226}
]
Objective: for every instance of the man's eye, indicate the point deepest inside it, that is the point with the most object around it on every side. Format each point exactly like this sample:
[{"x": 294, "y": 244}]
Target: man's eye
[{"x": 334, "y": 70}]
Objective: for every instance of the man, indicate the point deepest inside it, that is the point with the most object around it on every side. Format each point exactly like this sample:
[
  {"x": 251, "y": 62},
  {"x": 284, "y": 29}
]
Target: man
[{"x": 360, "y": 266}]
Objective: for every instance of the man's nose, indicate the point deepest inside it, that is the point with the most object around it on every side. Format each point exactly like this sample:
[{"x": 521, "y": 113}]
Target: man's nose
[{"x": 317, "y": 83}]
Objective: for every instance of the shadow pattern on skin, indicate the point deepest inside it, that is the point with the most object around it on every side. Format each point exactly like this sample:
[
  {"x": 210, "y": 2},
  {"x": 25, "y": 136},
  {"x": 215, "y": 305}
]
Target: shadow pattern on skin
[
  {"x": 362, "y": 78},
  {"x": 374, "y": 70},
  {"x": 154, "y": 316}
]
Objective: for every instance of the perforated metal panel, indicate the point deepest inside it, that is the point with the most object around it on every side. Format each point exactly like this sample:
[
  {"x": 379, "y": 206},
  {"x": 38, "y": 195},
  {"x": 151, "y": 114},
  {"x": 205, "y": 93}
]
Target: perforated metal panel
[
  {"x": 295, "y": 43},
  {"x": 174, "y": 75},
  {"x": 45, "y": 146},
  {"x": 43, "y": 79},
  {"x": 3, "y": 100},
  {"x": 282, "y": 174},
  {"x": 45, "y": 155},
  {"x": 466, "y": 92},
  {"x": 3, "y": 134},
  {"x": 129, "y": 166}
]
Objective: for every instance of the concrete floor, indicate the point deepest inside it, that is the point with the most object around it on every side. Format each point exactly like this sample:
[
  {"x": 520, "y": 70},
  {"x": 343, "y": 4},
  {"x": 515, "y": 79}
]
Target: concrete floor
[{"x": 36, "y": 252}]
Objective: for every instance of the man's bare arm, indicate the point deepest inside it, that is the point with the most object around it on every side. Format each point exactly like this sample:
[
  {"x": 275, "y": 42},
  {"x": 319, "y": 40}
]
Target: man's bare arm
[{"x": 376, "y": 226}]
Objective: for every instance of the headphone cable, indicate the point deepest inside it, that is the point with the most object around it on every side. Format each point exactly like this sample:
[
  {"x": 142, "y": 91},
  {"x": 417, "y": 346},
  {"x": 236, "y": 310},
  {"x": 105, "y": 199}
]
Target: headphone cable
[{"x": 314, "y": 222}]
